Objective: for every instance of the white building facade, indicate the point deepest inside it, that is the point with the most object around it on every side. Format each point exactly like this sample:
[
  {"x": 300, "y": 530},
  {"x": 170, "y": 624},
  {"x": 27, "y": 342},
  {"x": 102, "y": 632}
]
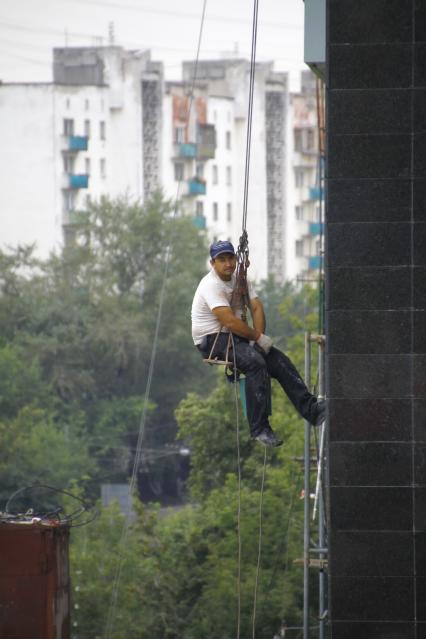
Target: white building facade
[{"x": 109, "y": 125}]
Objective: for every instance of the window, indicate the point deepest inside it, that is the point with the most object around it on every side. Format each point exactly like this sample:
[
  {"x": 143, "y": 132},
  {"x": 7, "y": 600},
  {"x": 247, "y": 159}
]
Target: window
[
  {"x": 102, "y": 105},
  {"x": 310, "y": 139},
  {"x": 228, "y": 176},
  {"x": 68, "y": 103},
  {"x": 68, "y": 126},
  {"x": 299, "y": 248},
  {"x": 228, "y": 140},
  {"x": 102, "y": 130},
  {"x": 299, "y": 213},
  {"x": 87, "y": 166},
  {"x": 215, "y": 116},
  {"x": 215, "y": 179},
  {"x": 102, "y": 166},
  {"x": 68, "y": 163},
  {"x": 69, "y": 201},
  {"x": 298, "y": 140},
  {"x": 180, "y": 134},
  {"x": 179, "y": 171},
  {"x": 86, "y": 105},
  {"x": 229, "y": 211},
  {"x": 87, "y": 128},
  {"x": 199, "y": 207},
  {"x": 299, "y": 178},
  {"x": 200, "y": 170},
  {"x": 215, "y": 212}
]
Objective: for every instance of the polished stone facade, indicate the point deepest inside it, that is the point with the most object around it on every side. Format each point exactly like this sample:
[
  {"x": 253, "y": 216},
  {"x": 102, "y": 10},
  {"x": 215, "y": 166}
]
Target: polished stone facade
[{"x": 376, "y": 317}]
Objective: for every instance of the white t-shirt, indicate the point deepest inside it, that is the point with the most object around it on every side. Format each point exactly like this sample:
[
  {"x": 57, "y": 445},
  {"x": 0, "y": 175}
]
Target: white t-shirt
[{"x": 211, "y": 293}]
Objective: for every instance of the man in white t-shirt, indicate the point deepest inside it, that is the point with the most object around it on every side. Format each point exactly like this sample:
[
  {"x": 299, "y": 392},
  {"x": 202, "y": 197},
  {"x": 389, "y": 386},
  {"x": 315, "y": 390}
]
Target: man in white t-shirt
[{"x": 213, "y": 312}]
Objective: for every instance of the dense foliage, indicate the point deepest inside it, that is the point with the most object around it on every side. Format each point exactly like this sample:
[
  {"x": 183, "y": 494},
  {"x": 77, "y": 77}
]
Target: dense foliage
[{"x": 76, "y": 342}]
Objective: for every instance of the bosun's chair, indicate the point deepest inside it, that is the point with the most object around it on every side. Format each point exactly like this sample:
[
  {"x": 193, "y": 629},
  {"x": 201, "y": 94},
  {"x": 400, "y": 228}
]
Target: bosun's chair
[{"x": 231, "y": 376}]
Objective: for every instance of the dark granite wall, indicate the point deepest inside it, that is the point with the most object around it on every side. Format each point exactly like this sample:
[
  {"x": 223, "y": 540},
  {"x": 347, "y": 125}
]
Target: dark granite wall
[{"x": 376, "y": 317}]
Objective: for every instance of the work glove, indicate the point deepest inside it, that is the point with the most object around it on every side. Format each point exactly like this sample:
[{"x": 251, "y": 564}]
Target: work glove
[{"x": 265, "y": 343}]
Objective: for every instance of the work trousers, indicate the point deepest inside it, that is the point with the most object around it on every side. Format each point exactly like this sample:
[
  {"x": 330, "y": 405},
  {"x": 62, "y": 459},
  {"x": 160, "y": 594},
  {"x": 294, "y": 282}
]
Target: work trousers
[{"x": 258, "y": 368}]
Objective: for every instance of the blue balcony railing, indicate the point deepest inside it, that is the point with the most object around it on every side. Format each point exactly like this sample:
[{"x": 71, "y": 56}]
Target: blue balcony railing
[
  {"x": 316, "y": 228},
  {"x": 78, "y": 181},
  {"x": 315, "y": 262},
  {"x": 199, "y": 221},
  {"x": 196, "y": 187},
  {"x": 187, "y": 150},
  {"x": 315, "y": 193},
  {"x": 78, "y": 142}
]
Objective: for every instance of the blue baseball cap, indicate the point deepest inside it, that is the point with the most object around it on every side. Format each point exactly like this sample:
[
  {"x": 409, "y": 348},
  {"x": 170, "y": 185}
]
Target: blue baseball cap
[{"x": 221, "y": 247}]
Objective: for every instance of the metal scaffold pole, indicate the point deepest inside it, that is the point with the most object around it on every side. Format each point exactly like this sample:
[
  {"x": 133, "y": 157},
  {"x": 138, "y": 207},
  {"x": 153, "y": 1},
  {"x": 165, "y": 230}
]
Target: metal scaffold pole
[
  {"x": 307, "y": 490},
  {"x": 321, "y": 511}
]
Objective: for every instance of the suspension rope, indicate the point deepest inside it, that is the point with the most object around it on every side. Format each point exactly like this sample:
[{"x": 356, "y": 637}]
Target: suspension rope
[
  {"x": 237, "y": 412},
  {"x": 138, "y": 454},
  {"x": 259, "y": 550}
]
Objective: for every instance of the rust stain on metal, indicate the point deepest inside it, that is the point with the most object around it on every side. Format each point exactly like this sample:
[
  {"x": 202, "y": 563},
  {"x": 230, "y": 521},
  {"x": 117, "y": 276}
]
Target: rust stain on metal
[{"x": 34, "y": 581}]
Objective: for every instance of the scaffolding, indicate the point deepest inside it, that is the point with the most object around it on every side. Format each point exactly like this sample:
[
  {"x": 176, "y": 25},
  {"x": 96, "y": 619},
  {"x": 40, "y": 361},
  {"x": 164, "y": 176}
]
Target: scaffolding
[{"x": 315, "y": 553}]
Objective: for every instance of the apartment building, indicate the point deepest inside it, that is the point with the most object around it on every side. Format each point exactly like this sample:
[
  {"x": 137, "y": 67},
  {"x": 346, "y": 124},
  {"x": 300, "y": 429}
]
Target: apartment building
[
  {"x": 304, "y": 240},
  {"x": 110, "y": 125},
  {"x": 95, "y": 130}
]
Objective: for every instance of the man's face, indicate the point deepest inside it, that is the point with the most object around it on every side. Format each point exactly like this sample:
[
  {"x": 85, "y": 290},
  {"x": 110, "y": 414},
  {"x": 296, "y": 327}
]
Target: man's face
[{"x": 224, "y": 265}]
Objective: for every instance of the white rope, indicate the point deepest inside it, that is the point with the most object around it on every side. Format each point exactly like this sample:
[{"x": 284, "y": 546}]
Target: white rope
[
  {"x": 126, "y": 525},
  {"x": 259, "y": 550}
]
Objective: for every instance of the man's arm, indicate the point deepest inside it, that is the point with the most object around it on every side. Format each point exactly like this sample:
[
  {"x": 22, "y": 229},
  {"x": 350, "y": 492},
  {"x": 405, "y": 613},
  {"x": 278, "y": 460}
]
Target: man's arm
[
  {"x": 227, "y": 318},
  {"x": 258, "y": 314}
]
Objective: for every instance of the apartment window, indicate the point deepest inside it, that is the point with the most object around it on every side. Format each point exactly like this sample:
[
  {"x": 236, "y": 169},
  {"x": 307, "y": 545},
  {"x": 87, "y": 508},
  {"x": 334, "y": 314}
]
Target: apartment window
[
  {"x": 310, "y": 139},
  {"x": 299, "y": 177},
  {"x": 215, "y": 211},
  {"x": 179, "y": 171},
  {"x": 86, "y": 105},
  {"x": 87, "y": 128},
  {"x": 180, "y": 134},
  {"x": 228, "y": 116},
  {"x": 87, "y": 166},
  {"x": 68, "y": 163},
  {"x": 68, "y": 126},
  {"x": 102, "y": 105},
  {"x": 229, "y": 211},
  {"x": 228, "y": 140},
  {"x": 298, "y": 140},
  {"x": 68, "y": 103},
  {"x": 215, "y": 175},
  {"x": 102, "y": 130},
  {"x": 228, "y": 176},
  {"x": 299, "y": 248},
  {"x": 299, "y": 213},
  {"x": 200, "y": 170},
  {"x": 215, "y": 116},
  {"x": 102, "y": 166},
  {"x": 199, "y": 207},
  {"x": 69, "y": 201}
]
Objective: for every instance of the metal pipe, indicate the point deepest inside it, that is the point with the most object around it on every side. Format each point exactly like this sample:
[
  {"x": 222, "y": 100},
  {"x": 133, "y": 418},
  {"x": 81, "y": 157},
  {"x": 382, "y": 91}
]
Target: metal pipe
[
  {"x": 307, "y": 522},
  {"x": 321, "y": 510}
]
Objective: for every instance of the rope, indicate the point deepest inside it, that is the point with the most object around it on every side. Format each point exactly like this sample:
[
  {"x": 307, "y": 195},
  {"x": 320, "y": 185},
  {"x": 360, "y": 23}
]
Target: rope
[
  {"x": 250, "y": 111},
  {"x": 237, "y": 411},
  {"x": 259, "y": 551},
  {"x": 126, "y": 525}
]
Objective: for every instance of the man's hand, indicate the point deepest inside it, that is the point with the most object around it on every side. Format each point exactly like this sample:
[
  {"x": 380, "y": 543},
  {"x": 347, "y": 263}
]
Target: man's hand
[{"x": 265, "y": 343}]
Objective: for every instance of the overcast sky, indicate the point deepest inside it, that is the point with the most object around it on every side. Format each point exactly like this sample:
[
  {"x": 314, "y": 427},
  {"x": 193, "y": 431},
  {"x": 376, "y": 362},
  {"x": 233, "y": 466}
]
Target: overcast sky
[{"x": 29, "y": 29}]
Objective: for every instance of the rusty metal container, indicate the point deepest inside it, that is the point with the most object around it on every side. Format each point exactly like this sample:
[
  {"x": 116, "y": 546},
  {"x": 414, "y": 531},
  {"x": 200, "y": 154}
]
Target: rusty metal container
[{"x": 34, "y": 580}]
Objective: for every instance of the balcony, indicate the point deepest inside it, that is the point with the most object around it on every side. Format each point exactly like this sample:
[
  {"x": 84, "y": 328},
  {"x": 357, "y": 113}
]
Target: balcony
[
  {"x": 186, "y": 150},
  {"x": 315, "y": 262},
  {"x": 206, "y": 142},
  {"x": 199, "y": 221},
  {"x": 75, "y": 181},
  {"x": 315, "y": 193},
  {"x": 196, "y": 186},
  {"x": 316, "y": 228},
  {"x": 75, "y": 143}
]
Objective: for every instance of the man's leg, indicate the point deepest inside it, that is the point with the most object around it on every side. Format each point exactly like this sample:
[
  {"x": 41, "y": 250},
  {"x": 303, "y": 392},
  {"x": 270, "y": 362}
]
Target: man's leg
[
  {"x": 252, "y": 364},
  {"x": 282, "y": 368}
]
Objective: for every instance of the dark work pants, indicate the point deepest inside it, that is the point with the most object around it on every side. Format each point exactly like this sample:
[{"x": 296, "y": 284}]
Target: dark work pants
[{"x": 258, "y": 367}]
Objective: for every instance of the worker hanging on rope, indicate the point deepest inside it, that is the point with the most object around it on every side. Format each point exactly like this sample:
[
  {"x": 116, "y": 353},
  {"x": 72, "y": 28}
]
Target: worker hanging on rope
[{"x": 218, "y": 325}]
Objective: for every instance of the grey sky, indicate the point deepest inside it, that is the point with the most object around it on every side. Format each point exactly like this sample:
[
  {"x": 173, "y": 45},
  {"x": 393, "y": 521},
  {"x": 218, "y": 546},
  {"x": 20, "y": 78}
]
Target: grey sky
[{"x": 29, "y": 29}]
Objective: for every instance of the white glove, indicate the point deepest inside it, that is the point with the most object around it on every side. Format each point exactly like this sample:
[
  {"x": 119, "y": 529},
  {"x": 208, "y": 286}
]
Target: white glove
[{"x": 264, "y": 342}]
